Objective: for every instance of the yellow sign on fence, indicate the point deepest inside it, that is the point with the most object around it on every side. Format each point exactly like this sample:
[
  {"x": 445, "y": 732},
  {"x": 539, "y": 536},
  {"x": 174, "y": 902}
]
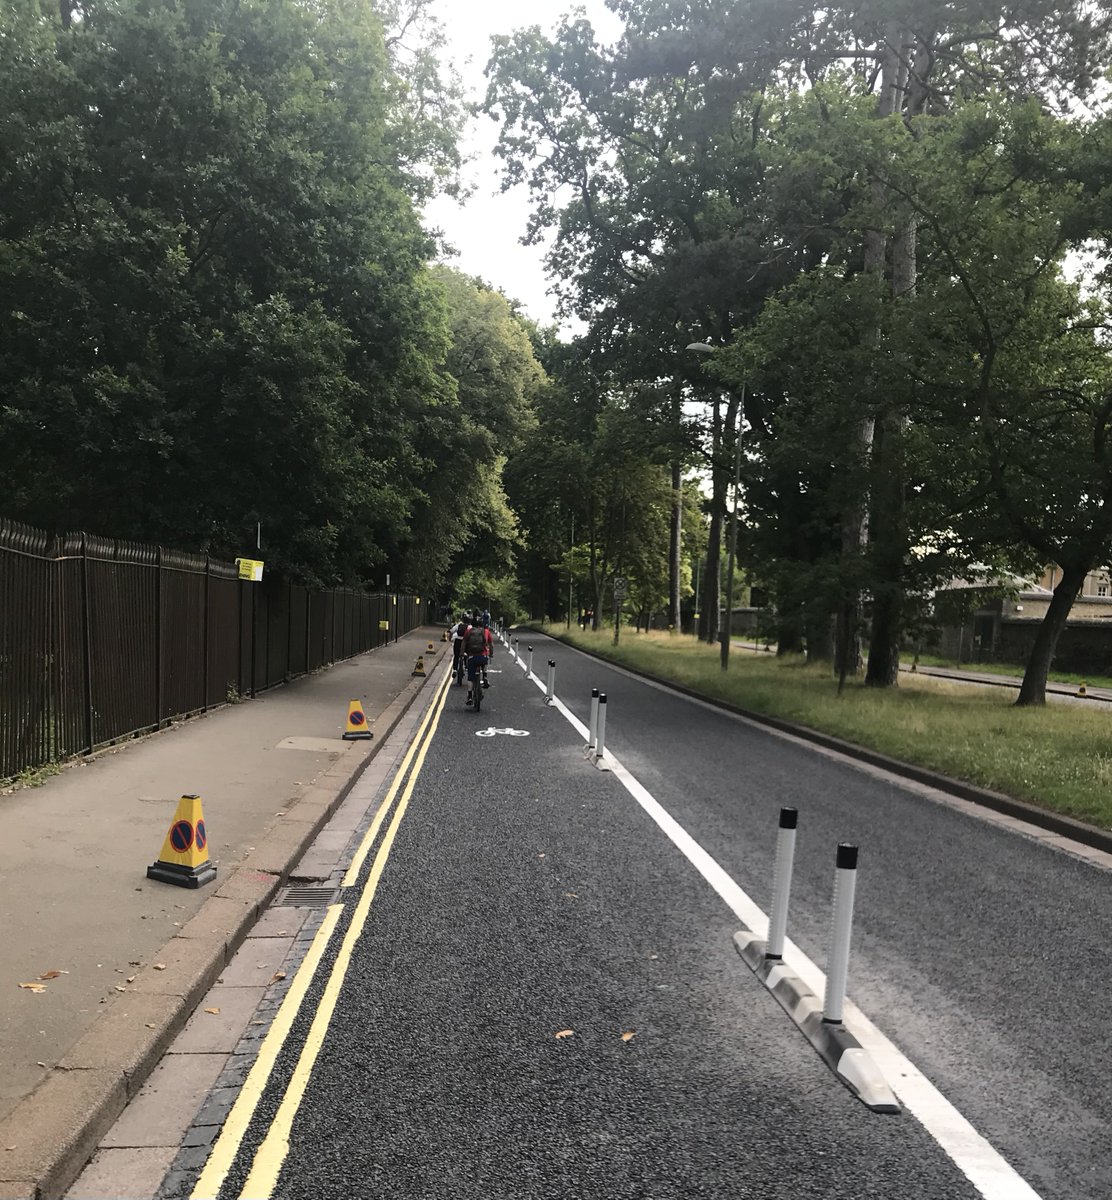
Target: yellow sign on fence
[
  {"x": 250, "y": 568},
  {"x": 384, "y": 624}
]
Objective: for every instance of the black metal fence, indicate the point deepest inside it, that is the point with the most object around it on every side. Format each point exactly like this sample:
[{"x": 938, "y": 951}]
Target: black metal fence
[{"x": 102, "y": 639}]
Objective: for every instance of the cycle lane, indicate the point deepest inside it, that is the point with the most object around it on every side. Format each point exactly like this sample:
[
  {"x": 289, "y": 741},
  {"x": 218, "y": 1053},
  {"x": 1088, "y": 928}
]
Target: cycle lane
[
  {"x": 980, "y": 952},
  {"x": 545, "y": 1002}
]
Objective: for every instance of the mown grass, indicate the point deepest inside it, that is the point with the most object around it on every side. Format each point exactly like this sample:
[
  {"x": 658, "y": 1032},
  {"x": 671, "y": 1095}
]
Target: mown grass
[{"x": 1058, "y": 757}]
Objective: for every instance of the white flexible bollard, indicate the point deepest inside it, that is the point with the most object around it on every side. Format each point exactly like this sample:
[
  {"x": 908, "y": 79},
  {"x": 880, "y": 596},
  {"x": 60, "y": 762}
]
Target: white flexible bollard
[
  {"x": 550, "y": 685},
  {"x": 781, "y": 883},
  {"x": 529, "y": 664},
  {"x": 600, "y": 739},
  {"x": 592, "y": 732},
  {"x": 845, "y": 884}
]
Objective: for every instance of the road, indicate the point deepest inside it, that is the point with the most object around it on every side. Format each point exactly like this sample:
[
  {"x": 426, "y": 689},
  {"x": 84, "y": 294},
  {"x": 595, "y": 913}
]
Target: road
[{"x": 519, "y": 894}]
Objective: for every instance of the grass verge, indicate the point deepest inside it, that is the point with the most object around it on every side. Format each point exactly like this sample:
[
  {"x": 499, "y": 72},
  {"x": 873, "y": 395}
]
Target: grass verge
[{"x": 1058, "y": 757}]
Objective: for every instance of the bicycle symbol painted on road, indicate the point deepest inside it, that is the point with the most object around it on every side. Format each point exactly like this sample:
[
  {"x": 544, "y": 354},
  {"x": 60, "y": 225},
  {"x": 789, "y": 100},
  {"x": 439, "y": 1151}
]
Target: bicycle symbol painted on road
[{"x": 509, "y": 732}]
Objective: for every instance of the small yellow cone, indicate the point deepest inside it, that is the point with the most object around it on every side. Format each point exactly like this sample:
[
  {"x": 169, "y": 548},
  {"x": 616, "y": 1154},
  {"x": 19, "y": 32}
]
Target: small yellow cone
[
  {"x": 419, "y": 669},
  {"x": 444, "y": 636},
  {"x": 1081, "y": 689},
  {"x": 356, "y": 728},
  {"x": 431, "y": 649},
  {"x": 184, "y": 860}
]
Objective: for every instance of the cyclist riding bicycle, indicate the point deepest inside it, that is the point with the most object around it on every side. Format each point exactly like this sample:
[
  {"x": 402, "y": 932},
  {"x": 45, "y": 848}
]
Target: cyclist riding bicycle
[{"x": 478, "y": 646}]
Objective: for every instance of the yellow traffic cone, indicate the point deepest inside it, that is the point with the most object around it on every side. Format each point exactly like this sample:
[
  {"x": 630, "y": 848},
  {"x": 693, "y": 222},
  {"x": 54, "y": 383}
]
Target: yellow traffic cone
[
  {"x": 431, "y": 649},
  {"x": 184, "y": 860},
  {"x": 1081, "y": 689},
  {"x": 444, "y": 636},
  {"x": 356, "y": 729},
  {"x": 419, "y": 669}
]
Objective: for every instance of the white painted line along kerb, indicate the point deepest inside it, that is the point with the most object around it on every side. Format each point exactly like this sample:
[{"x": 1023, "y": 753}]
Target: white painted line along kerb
[{"x": 989, "y": 1172}]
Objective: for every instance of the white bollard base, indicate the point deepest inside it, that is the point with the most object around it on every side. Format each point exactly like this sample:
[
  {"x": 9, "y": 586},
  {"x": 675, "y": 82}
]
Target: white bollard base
[{"x": 837, "y": 1047}]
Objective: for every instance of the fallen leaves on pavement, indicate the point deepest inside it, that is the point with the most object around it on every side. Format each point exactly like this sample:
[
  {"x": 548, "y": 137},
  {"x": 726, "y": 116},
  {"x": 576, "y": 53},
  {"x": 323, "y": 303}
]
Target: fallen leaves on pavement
[
  {"x": 629, "y": 1035},
  {"x": 35, "y": 987},
  {"x": 214, "y": 1011},
  {"x": 566, "y": 1033}
]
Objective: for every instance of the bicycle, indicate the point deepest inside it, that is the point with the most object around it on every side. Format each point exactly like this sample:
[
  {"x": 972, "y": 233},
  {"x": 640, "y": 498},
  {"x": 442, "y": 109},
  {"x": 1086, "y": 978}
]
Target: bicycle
[
  {"x": 476, "y": 687},
  {"x": 477, "y": 681}
]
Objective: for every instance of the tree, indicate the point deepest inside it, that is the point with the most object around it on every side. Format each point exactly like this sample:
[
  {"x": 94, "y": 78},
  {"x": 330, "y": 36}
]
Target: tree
[
  {"x": 669, "y": 147},
  {"x": 213, "y": 277}
]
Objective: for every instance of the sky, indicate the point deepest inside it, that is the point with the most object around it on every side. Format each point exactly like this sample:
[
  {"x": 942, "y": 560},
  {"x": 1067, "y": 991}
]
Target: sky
[{"x": 487, "y": 229}]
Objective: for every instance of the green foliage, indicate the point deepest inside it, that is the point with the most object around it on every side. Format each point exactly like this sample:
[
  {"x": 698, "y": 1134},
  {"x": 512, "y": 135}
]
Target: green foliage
[
  {"x": 483, "y": 590},
  {"x": 216, "y": 308},
  {"x": 874, "y": 209}
]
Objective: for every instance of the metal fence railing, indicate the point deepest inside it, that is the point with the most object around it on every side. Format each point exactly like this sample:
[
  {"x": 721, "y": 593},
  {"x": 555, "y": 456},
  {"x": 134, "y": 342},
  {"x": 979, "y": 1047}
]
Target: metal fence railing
[{"x": 102, "y": 639}]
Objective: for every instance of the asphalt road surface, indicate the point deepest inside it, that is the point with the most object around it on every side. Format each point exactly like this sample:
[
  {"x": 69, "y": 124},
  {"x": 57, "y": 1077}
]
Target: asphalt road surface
[{"x": 545, "y": 1000}]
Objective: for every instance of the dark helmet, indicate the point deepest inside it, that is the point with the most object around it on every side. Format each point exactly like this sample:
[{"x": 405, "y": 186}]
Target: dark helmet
[{"x": 485, "y": 618}]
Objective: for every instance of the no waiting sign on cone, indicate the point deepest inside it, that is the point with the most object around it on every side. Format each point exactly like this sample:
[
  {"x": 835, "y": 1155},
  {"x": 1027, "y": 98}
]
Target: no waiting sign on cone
[
  {"x": 184, "y": 860},
  {"x": 356, "y": 729}
]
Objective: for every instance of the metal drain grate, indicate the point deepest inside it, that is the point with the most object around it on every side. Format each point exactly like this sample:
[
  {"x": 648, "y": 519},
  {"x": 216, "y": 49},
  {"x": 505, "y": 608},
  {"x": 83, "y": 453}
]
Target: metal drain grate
[{"x": 299, "y": 895}]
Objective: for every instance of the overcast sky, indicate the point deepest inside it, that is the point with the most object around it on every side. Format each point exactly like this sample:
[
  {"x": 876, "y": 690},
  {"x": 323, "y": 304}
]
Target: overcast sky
[{"x": 487, "y": 229}]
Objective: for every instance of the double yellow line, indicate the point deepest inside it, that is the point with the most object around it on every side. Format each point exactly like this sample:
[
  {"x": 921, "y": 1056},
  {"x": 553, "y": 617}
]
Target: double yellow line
[{"x": 275, "y": 1147}]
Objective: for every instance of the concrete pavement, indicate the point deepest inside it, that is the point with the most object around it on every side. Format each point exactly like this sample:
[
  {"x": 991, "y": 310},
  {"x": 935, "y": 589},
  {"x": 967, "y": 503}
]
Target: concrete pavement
[{"x": 125, "y": 959}]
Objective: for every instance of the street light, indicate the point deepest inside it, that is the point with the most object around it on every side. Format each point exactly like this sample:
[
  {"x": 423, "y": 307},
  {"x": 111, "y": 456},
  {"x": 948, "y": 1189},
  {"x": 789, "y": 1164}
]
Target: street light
[{"x": 725, "y": 632}]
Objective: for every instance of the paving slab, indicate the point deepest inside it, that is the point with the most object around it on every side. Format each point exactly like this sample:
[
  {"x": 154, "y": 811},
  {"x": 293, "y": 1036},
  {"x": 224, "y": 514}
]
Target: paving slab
[
  {"x": 167, "y": 1103},
  {"x": 279, "y": 922},
  {"x": 131, "y": 1174},
  {"x": 256, "y": 962},
  {"x": 216, "y": 1032}
]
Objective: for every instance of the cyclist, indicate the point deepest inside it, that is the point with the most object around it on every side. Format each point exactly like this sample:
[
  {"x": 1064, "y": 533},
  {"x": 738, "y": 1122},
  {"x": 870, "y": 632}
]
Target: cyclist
[
  {"x": 478, "y": 645},
  {"x": 456, "y": 634}
]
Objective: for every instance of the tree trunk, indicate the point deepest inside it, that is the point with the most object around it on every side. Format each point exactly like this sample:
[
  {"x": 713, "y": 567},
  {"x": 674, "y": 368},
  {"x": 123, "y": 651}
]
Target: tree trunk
[
  {"x": 819, "y": 632},
  {"x": 675, "y": 544},
  {"x": 855, "y": 523},
  {"x": 789, "y": 632},
  {"x": 708, "y": 618},
  {"x": 889, "y": 506},
  {"x": 889, "y": 554},
  {"x": 1033, "y": 689}
]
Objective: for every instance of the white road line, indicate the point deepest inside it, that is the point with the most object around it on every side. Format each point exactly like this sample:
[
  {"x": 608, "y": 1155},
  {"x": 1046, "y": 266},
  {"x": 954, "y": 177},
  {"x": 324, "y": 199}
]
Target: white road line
[{"x": 989, "y": 1172}]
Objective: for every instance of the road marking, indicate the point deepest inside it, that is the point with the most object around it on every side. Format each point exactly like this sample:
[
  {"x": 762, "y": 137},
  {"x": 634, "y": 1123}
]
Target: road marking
[
  {"x": 989, "y": 1172},
  {"x": 275, "y": 1147},
  {"x": 231, "y": 1136},
  {"x": 492, "y": 731},
  {"x": 352, "y": 873}
]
